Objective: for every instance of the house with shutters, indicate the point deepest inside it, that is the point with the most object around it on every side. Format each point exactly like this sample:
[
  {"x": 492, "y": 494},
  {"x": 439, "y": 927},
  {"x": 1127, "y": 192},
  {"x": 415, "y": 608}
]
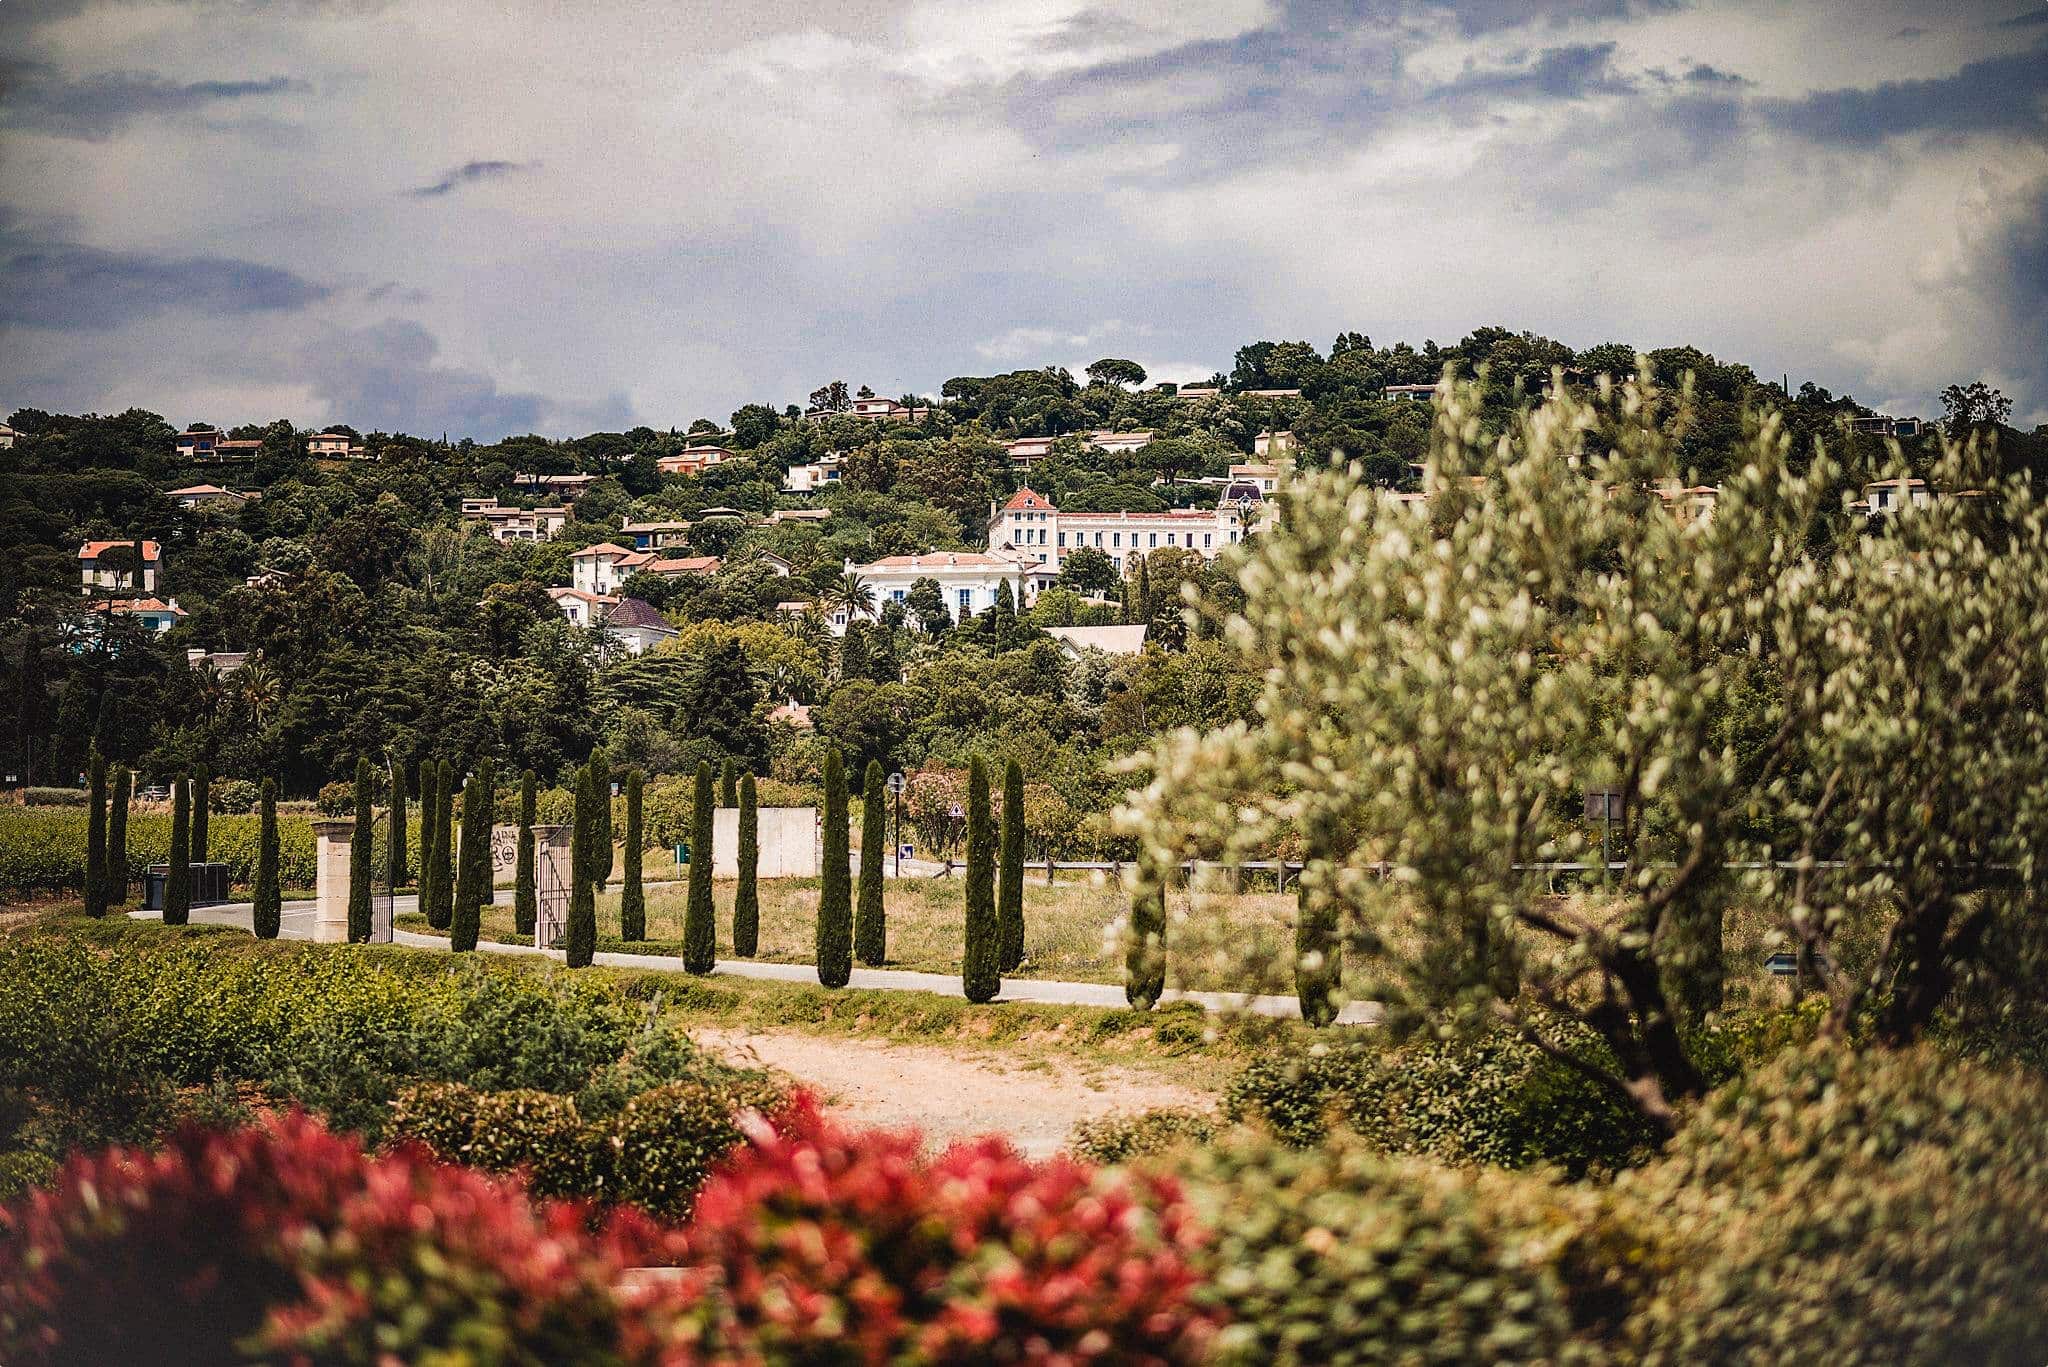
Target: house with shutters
[
  {"x": 968, "y": 582},
  {"x": 115, "y": 566}
]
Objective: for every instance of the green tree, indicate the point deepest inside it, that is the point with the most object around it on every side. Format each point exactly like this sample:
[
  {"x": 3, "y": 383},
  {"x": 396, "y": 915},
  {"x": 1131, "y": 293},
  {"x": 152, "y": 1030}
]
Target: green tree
[
  {"x": 360, "y": 845},
  {"x": 579, "y": 935},
  {"x": 981, "y": 963},
  {"x": 96, "y": 834},
  {"x": 700, "y": 932},
  {"x": 202, "y": 803},
  {"x": 395, "y": 852},
  {"x": 1010, "y": 879},
  {"x": 117, "y": 835},
  {"x": 441, "y": 911},
  {"x": 870, "y": 925},
  {"x": 473, "y": 861},
  {"x": 746, "y": 901},
  {"x": 729, "y": 785},
  {"x": 602, "y": 852},
  {"x": 1115, "y": 370},
  {"x": 178, "y": 875},
  {"x": 632, "y": 896},
  {"x": 835, "y": 897},
  {"x": 1145, "y": 938},
  {"x": 525, "y": 903},
  {"x": 430, "y": 810},
  {"x": 1318, "y": 952},
  {"x": 267, "y": 915}
]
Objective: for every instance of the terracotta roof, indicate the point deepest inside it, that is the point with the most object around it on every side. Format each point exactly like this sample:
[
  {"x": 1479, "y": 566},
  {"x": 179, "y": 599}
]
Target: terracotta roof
[
  {"x": 133, "y": 605},
  {"x": 1028, "y": 500},
  {"x": 602, "y": 549},
  {"x": 688, "y": 564},
  {"x": 91, "y": 550},
  {"x": 202, "y": 489}
]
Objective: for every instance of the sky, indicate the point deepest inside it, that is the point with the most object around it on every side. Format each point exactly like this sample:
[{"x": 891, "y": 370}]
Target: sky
[{"x": 532, "y": 215}]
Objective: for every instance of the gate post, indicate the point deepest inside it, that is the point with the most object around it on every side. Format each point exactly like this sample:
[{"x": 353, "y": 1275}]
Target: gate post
[{"x": 330, "y": 880}]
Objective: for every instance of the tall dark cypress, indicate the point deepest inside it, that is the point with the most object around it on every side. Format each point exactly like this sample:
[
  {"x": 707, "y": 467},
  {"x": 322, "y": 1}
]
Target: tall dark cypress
[
  {"x": 178, "y": 877},
  {"x": 746, "y": 900},
  {"x": 1145, "y": 943},
  {"x": 441, "y": 910},
  {"x": 835, "y": 897},
  {"x": 1318, "y": 953},
  {"x": 430, "y": 804},
  {"x": 602, "y": 854},
  {"x": 981, "y": 963},
  {"x": 269, "y": 908},
  {"x": 870, "y": 925},
  {"x": 700, "y": 930},
  {"x": 729, "y": 785},
  {"x": 96, "y": 834},
  {"x": 1010, "y": 879},
  {"x": 202, "y": 800},
  {"x": 117, "y": 835},
  {"x": 632, "y": 896},
  {"x": 395, "y": 852},
  {"x": 525, "y": 904},
  {"x": 472, "y": 883},
  {"x": 360, "y": 846},
  {"x": 579, "y": 936}
]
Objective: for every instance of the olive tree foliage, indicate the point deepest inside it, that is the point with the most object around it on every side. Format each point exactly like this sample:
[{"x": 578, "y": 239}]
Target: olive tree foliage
[{"x": 1443, "y": 681}]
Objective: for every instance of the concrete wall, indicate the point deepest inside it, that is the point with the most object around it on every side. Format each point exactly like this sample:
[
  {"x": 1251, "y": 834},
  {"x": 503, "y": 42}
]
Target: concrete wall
[{"x": 789, "y": 842}]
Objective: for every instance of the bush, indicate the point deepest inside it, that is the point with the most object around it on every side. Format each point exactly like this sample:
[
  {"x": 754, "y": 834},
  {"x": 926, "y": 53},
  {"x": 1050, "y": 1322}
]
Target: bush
[
  {"x": 43, "y": 851},
  {"x": 1847, "y": 1208},
  {"x": 285, "y": 1241},
  {"x": 234, "y": 796},
  {"x": 336, "y": 799},
  {"x": 1120, "y": 1138},
  {"x": 56, "y": 797},
  {"x": 1341, "y": 1255}
]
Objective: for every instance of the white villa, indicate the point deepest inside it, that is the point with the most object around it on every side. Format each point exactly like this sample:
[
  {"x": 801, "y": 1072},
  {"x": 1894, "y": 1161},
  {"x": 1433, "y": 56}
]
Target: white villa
[
  {"x": 633, "y": 624},
  {"x": 98, "y": 574},
  {"x": 514, "y": 524},
  {"x": 1030, "y": 526},
  {"x": 967, "y": 580},
  {"x": 808, "y": 479}
]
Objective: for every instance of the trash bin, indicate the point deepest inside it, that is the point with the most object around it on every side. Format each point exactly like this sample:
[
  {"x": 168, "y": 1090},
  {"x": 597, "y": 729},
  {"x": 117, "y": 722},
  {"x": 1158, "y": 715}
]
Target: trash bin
[
  {"x": 153, "y": 879},
  {"x": 208, "y": 884}
]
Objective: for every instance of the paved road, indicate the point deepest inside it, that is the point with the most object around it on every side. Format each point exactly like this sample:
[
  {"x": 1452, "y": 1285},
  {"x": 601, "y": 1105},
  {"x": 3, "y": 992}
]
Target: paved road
[{"x": 296, "y": 923}]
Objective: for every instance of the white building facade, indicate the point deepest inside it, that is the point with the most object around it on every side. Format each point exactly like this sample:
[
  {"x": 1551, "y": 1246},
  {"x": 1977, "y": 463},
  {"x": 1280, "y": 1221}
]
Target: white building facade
[
  {"x": 968, "y": 582},
  {"x": 1031, "y": 527}
]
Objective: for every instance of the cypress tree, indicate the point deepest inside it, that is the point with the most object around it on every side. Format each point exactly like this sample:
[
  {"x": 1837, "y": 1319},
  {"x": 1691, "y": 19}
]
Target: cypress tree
[
  {"x": 1318, "y": 953},
  {"x": 395, "y": 851},
  {"x": 525, "y": 904},
  {"x": 117, "y": 836},
  {"x": 981, "y": 964},
  {"x": 473, "y": 883},
  {"x": 1010, "y": 882},
  {"x": 178, "y": 876},
  {"x": 202, "y": 798},
  {"x": 429, "y": 805},
  {"x": 746, "y": 902},
  {"x": 96, "y": 835},
  {"x": 870, "y": 924},
  {"x": 1145, "y": 944},
  {"x": 601, "y": 848},
  {"x": 835, "y": 898},
  {"x": 441, "y": 910},
  {"x": 579, "y": 936},
  {"x": 269, "y": 909},
  {"x": 700, "y": 931},
  {"x": 633, "y": 897},
  {"x": 359, "y": 847},
  {"x": 729, "y": 785}
]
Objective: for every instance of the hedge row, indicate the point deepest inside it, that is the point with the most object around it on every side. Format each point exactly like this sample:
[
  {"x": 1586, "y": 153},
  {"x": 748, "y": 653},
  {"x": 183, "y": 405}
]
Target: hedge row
[{"x": 42, "y": 850}]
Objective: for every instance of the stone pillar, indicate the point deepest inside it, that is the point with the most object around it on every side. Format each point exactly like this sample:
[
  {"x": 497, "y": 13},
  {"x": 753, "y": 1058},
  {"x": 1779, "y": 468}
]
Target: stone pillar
[{"x": 330, "y": 880}]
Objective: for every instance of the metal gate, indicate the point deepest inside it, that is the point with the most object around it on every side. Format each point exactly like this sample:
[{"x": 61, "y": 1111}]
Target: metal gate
[{"x": 550, "y": 898}]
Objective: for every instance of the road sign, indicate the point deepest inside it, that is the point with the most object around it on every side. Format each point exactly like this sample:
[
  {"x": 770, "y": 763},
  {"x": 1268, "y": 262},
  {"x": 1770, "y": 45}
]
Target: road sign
[
  {"x": 896, "y": 782},
  {"x": 1783, "y": 964}
]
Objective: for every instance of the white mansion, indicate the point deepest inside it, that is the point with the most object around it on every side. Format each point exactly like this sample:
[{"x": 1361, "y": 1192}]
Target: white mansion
[{"x": 1030, "y": 527}]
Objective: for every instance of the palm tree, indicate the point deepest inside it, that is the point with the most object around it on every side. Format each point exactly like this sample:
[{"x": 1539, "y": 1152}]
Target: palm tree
[
  {"x": 851, "y": 592},
  {"x": 260, "y": 690}
]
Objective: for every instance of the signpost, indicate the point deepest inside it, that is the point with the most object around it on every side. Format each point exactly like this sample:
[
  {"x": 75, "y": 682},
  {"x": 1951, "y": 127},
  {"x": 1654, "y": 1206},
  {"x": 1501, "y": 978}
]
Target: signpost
[
  {"x": 896, "y": 787},
  {"x": 1604, "y": 806}
]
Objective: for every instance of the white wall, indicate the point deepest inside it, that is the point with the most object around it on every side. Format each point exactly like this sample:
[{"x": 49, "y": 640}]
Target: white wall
[{"x": 788, "y": 839}]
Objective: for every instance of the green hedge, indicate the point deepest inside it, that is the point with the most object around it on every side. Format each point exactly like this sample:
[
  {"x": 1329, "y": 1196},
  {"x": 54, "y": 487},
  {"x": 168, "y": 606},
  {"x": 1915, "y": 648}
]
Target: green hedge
[{"x": 43, "y": 851}]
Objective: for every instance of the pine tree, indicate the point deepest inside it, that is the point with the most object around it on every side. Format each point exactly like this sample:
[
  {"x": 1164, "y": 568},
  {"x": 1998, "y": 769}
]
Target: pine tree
[
  {"x": 746, "y": 902},
  {"x": 96, "y": 835},
  {"x": 602, "y": 854},
  {"x": 835, "y": 898},
  {"x": 473, "y": 882},
  {"x": 117, "y": 836},
  {"x": 395, "y": 863},
  {"x": 632, "y": 896},
  {"x": 360, "y": 846},
  {"x": 202, "y": 800},
  {"x": 729, "y": 785},
  {"x": 525, "y": 904},
  {"x": 980, "y": 963},
  {"x": 430, "y": 805},
  {"x": 1145, "y": 941},
  {"x": 700, "y": 930},
  {"x": 579, "y": 936},
  {"x": 870, "y": 923},
  {"x": 178, "y": 875},
  {"x": 269, "y": 909},
  {"x": 441, "y": 910},
  {"x": 1010, "y": 882}
]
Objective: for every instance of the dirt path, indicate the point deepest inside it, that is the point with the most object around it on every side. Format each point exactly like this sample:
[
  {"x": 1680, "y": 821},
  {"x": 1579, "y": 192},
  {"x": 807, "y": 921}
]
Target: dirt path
[{"x": 948, "y": 1094}]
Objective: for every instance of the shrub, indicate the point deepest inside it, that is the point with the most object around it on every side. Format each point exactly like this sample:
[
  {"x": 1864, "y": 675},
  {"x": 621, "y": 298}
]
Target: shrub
[
  {"x": 1848, "y": 1207},
  {"x": 666, "y": 1140},
  {"x": 525, "y": 899},
  {"x": 336, "y": 799},
  {"x": 1120, "y": 1138},
  {"x": 234, "y": 797},
  {"x": 1340, "y": 1255},
  {"x": 55, "y": 797},
  {"x": 284, "y": 1240},
  {"x": 835, "y": 894},
  {"x": 177, "y": 905},
  {"x": 816, "y": 1244},
  {"x": 1145, "y": 937},
  {"x": 579, "y": 935},
  {"x": 267, "y": 914},
  {"x": 980, "y": 960}
]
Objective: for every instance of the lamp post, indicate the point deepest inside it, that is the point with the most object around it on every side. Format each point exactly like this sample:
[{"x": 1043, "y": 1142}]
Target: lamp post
[{"x": 896, "y": 786}]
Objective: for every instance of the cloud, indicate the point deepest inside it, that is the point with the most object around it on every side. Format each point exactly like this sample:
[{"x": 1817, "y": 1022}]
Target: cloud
[
  {"x": 95, "y": 108},
  {"x": 1909, "y": 33},
  {"x": 2033, "y": 18},
  {"x": 1996, "y": 95},
  {"x": 385, "y": 377},
  {"x": 469, "y": 173},
  {"x": 66, "y": 287},
  {"x": 1559, "y": 73}
]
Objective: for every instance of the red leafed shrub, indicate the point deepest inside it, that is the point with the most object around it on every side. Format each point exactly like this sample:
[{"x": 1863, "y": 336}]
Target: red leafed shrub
[
  {"x": 287, "y": 1241},
  {"x": 815, "y": 1244}
]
